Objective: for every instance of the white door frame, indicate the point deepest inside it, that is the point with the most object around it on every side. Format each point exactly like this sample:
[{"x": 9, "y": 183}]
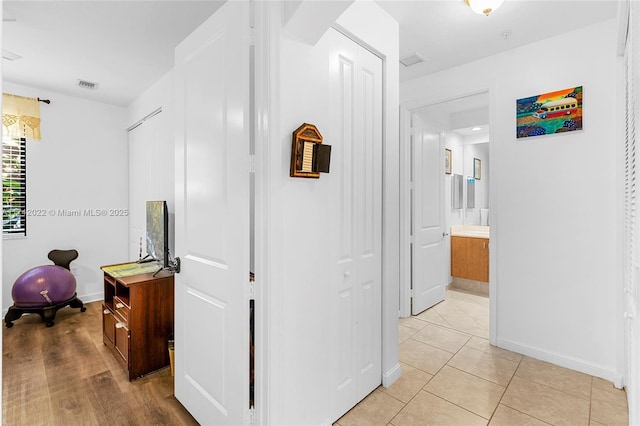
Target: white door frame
[
  {"x": 406, "y": 110},
  {"x": 267, "y": 21}
]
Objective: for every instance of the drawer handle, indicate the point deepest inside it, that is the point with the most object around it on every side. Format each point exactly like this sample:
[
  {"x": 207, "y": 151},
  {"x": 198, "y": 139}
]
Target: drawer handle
[
  {"x": 119, "y": 305},
  {"x": 120, "y": 325},
  {"x": 106, "y": 312}
]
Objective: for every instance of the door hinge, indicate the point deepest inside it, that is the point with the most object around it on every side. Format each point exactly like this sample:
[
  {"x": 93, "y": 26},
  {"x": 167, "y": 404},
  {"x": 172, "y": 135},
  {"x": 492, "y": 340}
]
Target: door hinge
[
  {"x": 252, "y": 36},
  {"x": 252, "y": 163},
  {"x": 252, "y": 289}
]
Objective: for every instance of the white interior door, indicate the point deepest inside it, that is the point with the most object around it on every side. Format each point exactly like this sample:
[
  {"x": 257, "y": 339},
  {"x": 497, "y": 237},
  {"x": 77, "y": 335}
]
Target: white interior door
[
  {"x": 212, "y": 218},
  {"x": 428, "y": 275},
  {"x": 356, "y": 170}
]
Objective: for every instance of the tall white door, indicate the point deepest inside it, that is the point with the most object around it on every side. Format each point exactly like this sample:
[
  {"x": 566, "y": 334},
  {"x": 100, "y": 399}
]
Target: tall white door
[
  {"x": 429, "y": 275},
  {"x": 357, "y": 176},
  {"x": 212, "y": 218}
]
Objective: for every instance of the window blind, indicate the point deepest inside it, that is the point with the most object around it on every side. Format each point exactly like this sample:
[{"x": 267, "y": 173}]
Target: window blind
[
  {"x": 631, "y": 229},
  {"x": 14, "y": 187}
]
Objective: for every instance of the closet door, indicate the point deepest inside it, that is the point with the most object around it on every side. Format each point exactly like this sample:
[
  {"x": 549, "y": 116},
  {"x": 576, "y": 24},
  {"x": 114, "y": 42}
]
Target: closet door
[
  {"x": 357, "y": 173},
  {"x": 212, "y": 218},
  {"x": 151, "y": 164}
]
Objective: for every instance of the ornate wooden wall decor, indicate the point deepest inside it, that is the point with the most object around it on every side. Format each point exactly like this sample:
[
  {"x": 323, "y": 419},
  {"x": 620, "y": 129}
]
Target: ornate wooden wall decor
[{"x": 305, "y": 153}]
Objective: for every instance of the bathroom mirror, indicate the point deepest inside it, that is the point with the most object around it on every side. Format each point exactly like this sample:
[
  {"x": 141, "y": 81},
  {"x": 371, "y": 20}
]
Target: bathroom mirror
[
  {"x": 471, "y": 193},
  {"x": 456, "y": 191}
]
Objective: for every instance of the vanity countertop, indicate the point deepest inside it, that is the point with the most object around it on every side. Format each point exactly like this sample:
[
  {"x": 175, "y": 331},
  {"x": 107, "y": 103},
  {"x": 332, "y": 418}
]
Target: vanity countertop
[{"x": 473, "y": 231}]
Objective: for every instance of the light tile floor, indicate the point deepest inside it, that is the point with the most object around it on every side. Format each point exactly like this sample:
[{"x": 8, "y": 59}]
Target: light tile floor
[{"x": 452, "y": 376}]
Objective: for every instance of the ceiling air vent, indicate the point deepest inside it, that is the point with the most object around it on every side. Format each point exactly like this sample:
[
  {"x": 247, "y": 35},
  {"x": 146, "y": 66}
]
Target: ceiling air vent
[
  {"x": 87, "y": 85},
  {"x": 10, "y": 56},
  {"x": 412, "y": 59}
]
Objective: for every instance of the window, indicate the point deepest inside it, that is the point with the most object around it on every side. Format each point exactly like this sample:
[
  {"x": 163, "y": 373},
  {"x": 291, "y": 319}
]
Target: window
[{"x": 14, "y": 187}]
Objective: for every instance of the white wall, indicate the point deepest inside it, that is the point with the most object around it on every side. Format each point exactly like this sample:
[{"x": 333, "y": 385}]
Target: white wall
[
  {"x": 301, "y": 359},
  {"x": 80, "y": 163},
  {"x": 555, "y": 249},
  {"x": 151, "y": 161}
]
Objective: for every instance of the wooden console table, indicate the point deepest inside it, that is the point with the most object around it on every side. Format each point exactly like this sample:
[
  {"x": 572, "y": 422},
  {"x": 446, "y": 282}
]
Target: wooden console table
[{"x": 137, "y": 316}]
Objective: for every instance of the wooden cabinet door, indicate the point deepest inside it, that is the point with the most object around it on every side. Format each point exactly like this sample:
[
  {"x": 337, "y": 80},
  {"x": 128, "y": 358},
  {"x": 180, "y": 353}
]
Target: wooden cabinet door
[
  {"x": 470, "y": 258},
  {"x": 122, "y": 341},
  {"x": 108, "y": 326}
]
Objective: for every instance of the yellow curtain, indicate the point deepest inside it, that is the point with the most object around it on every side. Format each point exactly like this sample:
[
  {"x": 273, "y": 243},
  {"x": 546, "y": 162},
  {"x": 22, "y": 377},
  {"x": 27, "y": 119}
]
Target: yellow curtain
[{"x": 20, "y": 117}]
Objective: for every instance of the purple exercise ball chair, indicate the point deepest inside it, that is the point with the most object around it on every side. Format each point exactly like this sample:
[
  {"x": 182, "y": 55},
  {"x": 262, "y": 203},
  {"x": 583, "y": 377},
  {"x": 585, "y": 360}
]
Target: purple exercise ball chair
[
  {"x": 45, "y": 289},
  {"x": 43, "y": 286}
]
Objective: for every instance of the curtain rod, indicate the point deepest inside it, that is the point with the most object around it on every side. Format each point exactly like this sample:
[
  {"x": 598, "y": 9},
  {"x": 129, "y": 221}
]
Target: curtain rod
[{"x": 46, "y": 101}]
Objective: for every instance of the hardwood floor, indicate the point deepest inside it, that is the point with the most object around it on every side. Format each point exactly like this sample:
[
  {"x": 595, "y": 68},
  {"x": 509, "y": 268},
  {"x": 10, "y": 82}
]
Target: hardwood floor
[{"x": 64, "y": 375}]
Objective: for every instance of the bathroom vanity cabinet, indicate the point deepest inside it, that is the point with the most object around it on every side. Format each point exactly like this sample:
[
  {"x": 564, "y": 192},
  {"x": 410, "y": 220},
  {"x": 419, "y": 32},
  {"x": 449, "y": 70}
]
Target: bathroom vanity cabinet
[{"x": 470, "y": 258}]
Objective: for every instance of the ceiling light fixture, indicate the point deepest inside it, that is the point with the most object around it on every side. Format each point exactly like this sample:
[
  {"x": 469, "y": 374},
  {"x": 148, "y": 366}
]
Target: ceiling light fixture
[
  {"x": 475, "y": 129},
  {"x": 484, "y": 7}
]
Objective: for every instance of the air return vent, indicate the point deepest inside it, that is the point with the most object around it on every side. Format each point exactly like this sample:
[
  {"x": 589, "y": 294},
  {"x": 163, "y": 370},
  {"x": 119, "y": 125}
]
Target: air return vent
[
  {"x": 10, "y": 56},
  {"x": 87, "y": 84},
  {"x": 412, "y": 59}
]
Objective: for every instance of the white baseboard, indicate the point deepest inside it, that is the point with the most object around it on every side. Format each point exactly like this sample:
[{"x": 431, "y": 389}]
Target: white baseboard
[
  {"x": 391, "y": 375},
  {"x": 91, "y": 297},
  {"x": 564, "y": 361}
]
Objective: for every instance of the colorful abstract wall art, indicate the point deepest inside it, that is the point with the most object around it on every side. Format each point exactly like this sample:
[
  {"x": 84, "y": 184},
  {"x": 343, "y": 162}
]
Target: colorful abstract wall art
[{"x": 554, "y": 112}]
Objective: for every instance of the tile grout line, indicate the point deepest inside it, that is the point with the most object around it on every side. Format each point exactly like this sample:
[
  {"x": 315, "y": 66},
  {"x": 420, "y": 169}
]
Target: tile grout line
[
  {"x": 432, "y": 376},
  {"x": 543, "y": 385},
  {"x": 453, "y": 403},
  {"x": 448, "y": 327},
  {"x": 505, "y": 390},
  {"x": 478, "y": 377}
]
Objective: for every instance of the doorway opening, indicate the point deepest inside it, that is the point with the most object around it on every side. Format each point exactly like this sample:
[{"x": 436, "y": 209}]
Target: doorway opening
[{"x": 448, "y": 198}]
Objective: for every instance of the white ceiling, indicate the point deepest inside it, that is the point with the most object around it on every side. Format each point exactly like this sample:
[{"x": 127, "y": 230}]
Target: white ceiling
[
  {"x": 125, "y": 46},
  {"x": 447, "y": 33}
]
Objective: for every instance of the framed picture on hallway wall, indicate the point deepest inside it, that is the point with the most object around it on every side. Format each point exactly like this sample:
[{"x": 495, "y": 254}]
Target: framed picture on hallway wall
[
  {"x": 477, "y": 168},
  {"x": 447, "y": 161},
  {"x": 549, "y": 113}
]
